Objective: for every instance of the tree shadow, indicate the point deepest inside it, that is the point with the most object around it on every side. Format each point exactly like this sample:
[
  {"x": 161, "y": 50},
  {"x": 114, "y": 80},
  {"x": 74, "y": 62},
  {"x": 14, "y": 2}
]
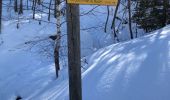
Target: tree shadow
[{"x": 138, "y": 71}]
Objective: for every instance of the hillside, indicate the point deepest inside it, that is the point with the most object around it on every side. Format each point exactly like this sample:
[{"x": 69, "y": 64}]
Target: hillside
[{"x": 132, "y": 70}]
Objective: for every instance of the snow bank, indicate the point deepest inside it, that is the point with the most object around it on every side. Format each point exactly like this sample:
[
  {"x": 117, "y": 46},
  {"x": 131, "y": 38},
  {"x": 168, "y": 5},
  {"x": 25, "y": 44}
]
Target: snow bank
[{"x": 134, "y": 70}]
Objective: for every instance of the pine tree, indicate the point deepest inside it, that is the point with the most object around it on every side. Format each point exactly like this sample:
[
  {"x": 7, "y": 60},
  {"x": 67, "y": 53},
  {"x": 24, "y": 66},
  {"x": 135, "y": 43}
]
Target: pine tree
[{"x": 151, "y": 14}]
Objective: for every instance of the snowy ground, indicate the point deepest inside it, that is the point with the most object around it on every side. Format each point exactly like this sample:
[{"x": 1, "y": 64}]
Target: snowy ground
[
  {"x": 26, "y": 55},
  {"x": 132, "y": 70}
]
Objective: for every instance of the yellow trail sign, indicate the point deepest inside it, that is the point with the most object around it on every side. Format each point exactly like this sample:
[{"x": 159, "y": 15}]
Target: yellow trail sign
[{"x": 94, "y": 2}]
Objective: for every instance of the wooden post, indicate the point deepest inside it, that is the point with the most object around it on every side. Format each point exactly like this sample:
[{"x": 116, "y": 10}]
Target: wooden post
[{"x": 73, "y": 32}]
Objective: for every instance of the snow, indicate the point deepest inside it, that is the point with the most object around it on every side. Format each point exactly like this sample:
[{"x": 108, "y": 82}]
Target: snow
[
  {"x": 133, "y": 70},
  {"x": 86, "y": 48},
  {"x": 26, "y": 61}
]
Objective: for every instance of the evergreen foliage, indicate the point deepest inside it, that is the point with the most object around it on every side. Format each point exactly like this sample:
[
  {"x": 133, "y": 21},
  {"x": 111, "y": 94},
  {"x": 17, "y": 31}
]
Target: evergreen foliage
[{"x": 151, "y": 14}]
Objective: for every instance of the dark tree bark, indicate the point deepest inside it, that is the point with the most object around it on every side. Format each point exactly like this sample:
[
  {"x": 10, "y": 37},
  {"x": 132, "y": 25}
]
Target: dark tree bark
[
  {"x": 49, "y": 10},
  {"x": 34, "y": 7},
  {"x": 16, "y": 5},
  {"x": 115, "y": 14},
  {"x": 114, "y": 19},
  {"x": 58, "y": 39},
  {"x": 130, "y": 20},
  {"x": 107, "y": 19},
  {"x": 21, "y": 7},
  {"x": 165, "y": 13},
  {"x": 39, "y": 2},
  {"x": 73, "y": 33},
  {"x": 56, "y": 58},
  {"x": 33, "y": 3},
  {"x": 55, "y": 8},
  {"x": 27, "y": 4}
]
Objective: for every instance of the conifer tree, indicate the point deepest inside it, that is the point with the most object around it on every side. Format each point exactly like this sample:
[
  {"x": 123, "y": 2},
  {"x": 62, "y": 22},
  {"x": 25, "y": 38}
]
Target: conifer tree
[{"x": 151, "y": 14}]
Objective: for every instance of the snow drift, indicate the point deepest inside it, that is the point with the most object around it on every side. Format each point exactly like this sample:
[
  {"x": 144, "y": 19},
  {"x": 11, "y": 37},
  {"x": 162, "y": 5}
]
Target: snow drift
[{"x": 133, "y": 70}]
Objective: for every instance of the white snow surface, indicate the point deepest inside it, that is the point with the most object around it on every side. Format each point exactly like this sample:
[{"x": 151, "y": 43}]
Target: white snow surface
[{"x": 134, "y": 70}]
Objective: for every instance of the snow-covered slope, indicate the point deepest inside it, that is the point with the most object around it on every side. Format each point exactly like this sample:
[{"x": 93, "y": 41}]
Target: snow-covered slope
[
  {"x": 26, "y": 54},
  {"x": 133, "y": 70}
]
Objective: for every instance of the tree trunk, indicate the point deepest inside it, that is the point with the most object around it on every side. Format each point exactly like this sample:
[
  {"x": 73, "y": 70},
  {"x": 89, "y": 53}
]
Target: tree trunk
[
  {"x": 56, "y": 57},
  {"x": 130, "y": 20},
  {"x": 34, "y": 7},
  {"x": 55, "y": 8},
  {"x": 27, "y": 4},
  {"x": 165, "y": 7},
  {"x": 16, "y": 5},
  {"x": 107, "y": 19},
  {"x": 33, "y": 1},
  {"x": 39, "y": 2},
  {"x": 21, "y": 7},
  {"x": 58, "y": 39},
  {"x": 113, "y": 22},
  {"x": 73, "y": 39},
  {"x": 49, "y": 11}
]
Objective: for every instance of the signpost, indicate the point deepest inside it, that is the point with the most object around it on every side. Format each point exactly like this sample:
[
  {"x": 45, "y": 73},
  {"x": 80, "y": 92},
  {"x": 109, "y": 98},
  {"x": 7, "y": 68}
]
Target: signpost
[
  {"x": 93, "y": 2},
  {"x": 73, "y": 39}
]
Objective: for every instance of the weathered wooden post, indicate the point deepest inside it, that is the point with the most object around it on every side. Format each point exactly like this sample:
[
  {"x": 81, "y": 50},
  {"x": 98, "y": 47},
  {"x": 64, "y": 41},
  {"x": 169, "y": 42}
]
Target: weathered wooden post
[{"x": 73, "y": 32}]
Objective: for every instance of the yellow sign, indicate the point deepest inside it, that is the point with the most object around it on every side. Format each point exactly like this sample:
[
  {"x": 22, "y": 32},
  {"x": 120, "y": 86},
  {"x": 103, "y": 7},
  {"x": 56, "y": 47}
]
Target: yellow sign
[{"x": 94, "y": 2}]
